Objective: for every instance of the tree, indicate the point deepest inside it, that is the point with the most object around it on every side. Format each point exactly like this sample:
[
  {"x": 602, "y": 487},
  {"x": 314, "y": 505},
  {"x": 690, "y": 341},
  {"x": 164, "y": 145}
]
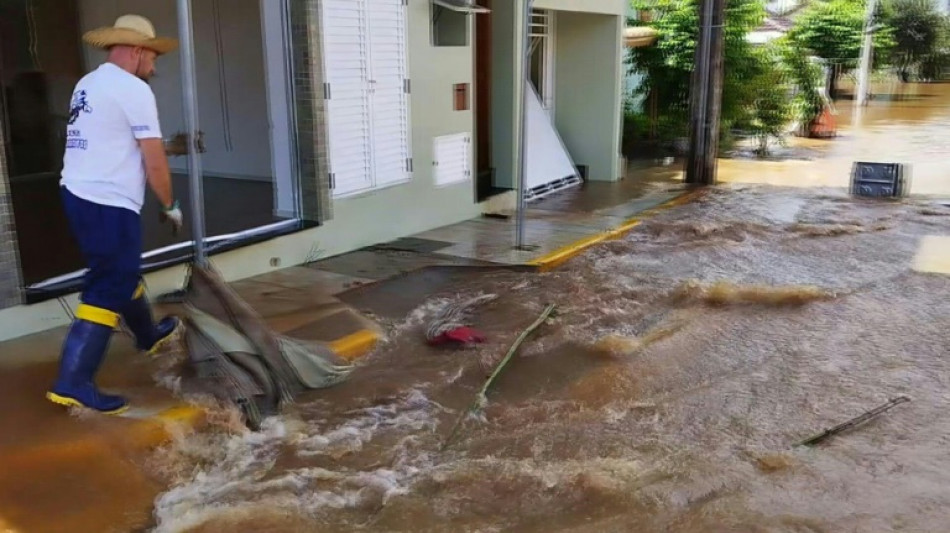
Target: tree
[
  {"x": 933, "y": 65},
  {"x": 917, "y": 28},
  {"x": 769, "y": 110},
  {"x": 667, "y": 66},
  {"x": 834, "y": 31},
  {"x": 808, "y": 102}
]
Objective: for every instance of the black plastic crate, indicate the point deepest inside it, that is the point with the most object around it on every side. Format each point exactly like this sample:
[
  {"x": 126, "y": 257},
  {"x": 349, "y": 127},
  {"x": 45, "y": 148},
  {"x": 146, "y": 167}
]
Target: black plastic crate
[{"x": 880, "y": 180}]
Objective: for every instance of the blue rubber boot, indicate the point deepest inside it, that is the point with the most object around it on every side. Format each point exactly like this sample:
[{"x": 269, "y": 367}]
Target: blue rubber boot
[
  {"x": 149, "y": 337},
  {"x": 83, "y": 352}
]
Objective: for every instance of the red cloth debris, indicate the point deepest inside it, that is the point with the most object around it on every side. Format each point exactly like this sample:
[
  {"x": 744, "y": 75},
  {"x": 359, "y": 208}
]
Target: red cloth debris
[{"x": 460, "y": 335}]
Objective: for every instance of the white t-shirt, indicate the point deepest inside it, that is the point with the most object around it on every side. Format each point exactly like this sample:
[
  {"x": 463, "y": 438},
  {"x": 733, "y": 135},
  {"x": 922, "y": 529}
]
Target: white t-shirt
[{"x": 110, "y": 110}]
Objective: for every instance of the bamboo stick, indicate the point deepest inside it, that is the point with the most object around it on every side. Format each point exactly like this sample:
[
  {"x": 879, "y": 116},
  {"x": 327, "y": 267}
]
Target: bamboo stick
[
  {"x": 480, "y": 398},
  {"x": 854, "y": 422}
]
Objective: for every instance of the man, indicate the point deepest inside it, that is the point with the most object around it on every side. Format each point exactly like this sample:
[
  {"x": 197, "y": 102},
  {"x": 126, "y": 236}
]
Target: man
[{"x": 113, "y": 148}]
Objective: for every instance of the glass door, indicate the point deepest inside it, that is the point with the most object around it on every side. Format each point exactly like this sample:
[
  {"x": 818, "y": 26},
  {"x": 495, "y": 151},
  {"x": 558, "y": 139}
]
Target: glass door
[{"x": 245, "y": 107}]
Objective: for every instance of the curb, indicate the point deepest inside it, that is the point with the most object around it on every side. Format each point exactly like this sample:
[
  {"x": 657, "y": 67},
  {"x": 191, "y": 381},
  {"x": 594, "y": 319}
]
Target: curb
[
  {"x": 558, "y": 257},
  {"x": 355, "y": 345}
]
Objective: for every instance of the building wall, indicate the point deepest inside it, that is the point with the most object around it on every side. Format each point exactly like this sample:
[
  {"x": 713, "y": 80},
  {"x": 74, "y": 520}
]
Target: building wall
[
  {"x": 589, "y": 75},
  {"x": 418, "y": 205},
  {"x": 588, "y": 90},
  {"x": 507, "y": 64},
  {"x": 310, "y": 109},
  {"x": 358, "y": 221}
]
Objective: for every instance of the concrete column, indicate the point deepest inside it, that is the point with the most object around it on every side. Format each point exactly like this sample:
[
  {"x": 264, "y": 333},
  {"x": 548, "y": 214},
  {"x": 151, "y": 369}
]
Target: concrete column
[
  {"x": 11, "y": 285},
  {"x": 507, "y": 72},
  {"x": 312, "y": 158}
]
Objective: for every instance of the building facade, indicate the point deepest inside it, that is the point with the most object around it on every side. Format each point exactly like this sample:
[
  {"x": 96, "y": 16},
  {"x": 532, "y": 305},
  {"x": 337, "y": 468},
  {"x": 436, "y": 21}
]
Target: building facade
[{"x": 327, "y": 126}]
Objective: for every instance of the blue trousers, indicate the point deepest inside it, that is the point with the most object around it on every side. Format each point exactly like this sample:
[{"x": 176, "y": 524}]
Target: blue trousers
[{"x": 110, "y": 239}]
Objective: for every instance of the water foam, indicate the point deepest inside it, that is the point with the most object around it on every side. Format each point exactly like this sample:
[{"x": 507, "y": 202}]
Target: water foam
[{"x": 233, "y": 472}]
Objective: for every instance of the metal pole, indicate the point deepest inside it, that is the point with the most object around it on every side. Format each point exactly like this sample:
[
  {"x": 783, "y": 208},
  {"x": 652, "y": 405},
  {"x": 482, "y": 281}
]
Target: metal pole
[
  {"x": 523, "y": 137},
  {"x": 189, "y": 90},
  {"x": 865, "y": 70}
]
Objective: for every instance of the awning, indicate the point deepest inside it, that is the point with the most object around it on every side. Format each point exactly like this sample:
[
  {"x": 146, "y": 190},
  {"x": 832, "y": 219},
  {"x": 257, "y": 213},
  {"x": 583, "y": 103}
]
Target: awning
[
  {"x": 639, "y": 36},
  {"x": 462, "y": 6}
]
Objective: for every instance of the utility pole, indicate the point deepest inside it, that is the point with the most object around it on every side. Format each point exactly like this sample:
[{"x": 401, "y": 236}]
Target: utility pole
[
  {"x": 865, "y": 70},
  {"x": 706, "y": 95}
]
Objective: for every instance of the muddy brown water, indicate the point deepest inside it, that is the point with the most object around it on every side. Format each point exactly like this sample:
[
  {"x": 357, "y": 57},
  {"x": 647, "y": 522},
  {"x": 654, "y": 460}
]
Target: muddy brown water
[
  {"x": 904, "y": 123},
  {"x": 686, "y": 360}
]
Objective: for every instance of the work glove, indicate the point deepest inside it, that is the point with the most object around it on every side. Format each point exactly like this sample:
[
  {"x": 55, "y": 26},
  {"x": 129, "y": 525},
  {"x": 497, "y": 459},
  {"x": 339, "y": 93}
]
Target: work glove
[{"x": 173, "y": 215}]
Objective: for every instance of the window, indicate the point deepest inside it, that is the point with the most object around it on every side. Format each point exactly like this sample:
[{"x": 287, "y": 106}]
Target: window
[
  {"x": 450, "y": 21},
  {"x": 542, "y": 56},
  {"x": 365, "y": 64}
]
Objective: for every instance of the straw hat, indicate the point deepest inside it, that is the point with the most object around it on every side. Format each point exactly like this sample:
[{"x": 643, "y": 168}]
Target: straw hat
[{"x": 130, "y": 30}]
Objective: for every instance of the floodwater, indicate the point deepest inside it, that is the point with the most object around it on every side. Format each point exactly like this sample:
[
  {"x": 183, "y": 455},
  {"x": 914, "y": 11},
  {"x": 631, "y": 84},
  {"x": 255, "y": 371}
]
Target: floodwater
[
  {"x": 904, "y": 123},
  {"x": 685, "y": 362}
]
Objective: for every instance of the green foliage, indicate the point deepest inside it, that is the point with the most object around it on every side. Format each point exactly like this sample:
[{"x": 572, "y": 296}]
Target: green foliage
[
  {"x": 933, "y": 65},
  {"x": 834, "y": 30},
  {"x": 918, "y": 30},
  {"x": 755, "y": 96},
  {"x": 807, "y": 104},
  {"x": 769, "y": 111},
  {"x": 668, "y": 64},
  {"x": 831, "y": 30}
]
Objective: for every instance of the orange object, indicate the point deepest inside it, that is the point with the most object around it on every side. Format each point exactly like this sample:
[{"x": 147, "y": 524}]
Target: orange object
[{"x": 824, "y": 126}]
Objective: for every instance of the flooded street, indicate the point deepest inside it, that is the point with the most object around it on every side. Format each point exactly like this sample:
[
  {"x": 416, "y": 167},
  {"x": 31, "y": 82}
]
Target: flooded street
[
  {"x": 686, "y": 360},
  {"x": 903, "y": 123}
]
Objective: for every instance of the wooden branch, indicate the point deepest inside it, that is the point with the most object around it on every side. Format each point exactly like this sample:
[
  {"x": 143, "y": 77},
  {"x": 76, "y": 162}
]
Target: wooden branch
[
  {"x": 854, "y": 422},
  {"x": 480, "y": 398}
]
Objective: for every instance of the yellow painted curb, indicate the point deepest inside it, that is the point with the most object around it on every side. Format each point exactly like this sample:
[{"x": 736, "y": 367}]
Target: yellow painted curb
[
  {"x": 562, "y": 255},
  {"x": 355, "y": 345}
]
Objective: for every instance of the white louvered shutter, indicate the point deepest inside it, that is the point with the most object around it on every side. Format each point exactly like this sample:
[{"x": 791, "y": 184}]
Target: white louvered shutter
[
  {"x": 452, "y": 159},
  {"x": 389, "y": 102},
  {"x": 346, "y": 67}
]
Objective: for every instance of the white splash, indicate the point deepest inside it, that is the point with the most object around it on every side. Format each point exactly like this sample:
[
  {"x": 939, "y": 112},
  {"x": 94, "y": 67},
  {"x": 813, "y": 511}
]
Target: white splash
[{"x": 237, "y": 472}]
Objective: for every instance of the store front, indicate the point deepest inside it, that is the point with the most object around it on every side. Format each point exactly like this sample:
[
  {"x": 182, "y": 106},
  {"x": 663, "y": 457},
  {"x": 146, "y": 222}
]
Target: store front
[{"x": 247, "y": 105}]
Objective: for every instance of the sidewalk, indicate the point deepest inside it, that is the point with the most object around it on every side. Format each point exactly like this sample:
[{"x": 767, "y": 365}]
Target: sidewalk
[{"x": 86, "y": 471}]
